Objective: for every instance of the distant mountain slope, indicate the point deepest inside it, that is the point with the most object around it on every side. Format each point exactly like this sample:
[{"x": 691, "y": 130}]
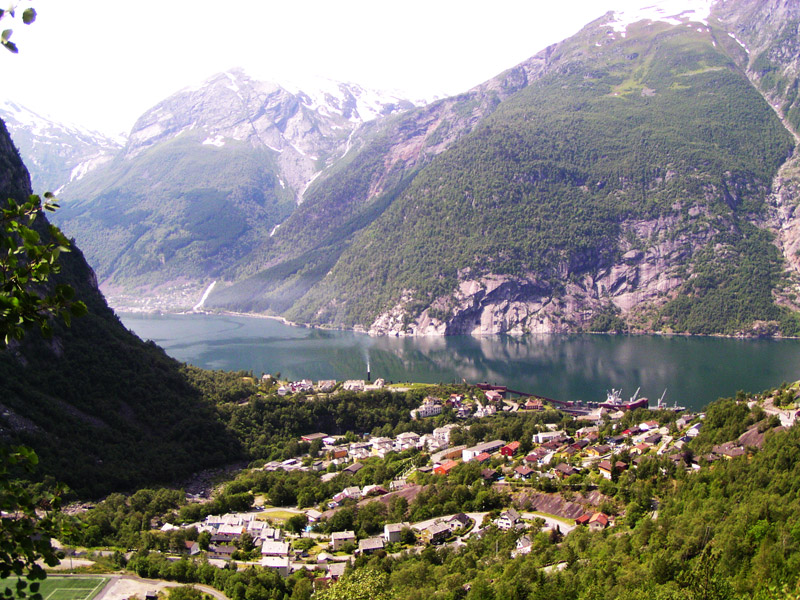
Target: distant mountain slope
[
  {"x": 385, "y": 155},
  {"x": 625, "y": 182},
  {"x": 56, "y": 153},
  {"x": 104, "y": 410},
  {"x": 207, "y": 175}
]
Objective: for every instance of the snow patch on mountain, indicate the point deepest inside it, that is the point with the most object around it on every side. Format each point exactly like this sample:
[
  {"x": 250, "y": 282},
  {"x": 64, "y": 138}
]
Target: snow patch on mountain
[
  {"x": 88, "y": 165},
  {"x": 674, "y": 12},
  {"x": 217, "y": 141},
  {"x": 17, "y": 116},
  {"x": 738, "y": 41},
  {"x": 56, "y": 152}
]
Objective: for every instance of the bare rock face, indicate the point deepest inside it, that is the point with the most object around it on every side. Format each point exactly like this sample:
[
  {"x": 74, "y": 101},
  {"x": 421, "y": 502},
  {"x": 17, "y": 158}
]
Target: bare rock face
[
  {"x": 641, "y": 277},
  {"x": 783, "y": 219}
]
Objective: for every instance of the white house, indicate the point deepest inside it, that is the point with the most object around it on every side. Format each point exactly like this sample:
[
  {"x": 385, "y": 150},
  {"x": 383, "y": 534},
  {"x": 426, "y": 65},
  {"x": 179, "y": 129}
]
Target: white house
[
  {"x": 507, "y": 519},
  {"x": 279, "y": 564},
  {"x": 271, "y": 548},
  {"x": 545, "y": 436},
  {"x": 392, "y": 532},
  {"x": 429, "y": 408}
]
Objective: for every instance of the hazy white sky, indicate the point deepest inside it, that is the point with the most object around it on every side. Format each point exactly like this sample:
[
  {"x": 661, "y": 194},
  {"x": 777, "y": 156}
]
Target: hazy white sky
[{"x": 102, "y": 63}]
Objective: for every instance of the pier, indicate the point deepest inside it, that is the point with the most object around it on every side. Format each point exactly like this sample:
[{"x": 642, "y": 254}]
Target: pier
[{"x": 567, "y": 406}]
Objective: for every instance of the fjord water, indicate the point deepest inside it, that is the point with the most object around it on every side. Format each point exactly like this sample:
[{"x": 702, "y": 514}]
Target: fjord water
[{"x": 694, "y": 371}]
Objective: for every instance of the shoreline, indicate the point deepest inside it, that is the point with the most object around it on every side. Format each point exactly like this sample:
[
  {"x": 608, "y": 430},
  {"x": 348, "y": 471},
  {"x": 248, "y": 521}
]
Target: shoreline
[{"x": 228, "y": 313}]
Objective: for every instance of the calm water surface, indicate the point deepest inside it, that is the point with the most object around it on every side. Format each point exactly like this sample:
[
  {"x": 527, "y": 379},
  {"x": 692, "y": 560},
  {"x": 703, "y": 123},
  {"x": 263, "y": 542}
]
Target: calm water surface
[{"x": 694, "y": 371}]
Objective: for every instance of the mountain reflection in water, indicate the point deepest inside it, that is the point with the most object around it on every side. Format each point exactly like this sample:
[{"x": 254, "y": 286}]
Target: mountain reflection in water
[{"x": 694, "y": 371}]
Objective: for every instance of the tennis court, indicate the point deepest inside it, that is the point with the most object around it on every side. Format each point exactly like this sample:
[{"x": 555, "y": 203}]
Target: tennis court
[{"x": 66, "y": 588}]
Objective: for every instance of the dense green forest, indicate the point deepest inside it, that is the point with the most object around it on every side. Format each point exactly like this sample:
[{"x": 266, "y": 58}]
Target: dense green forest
[{"x": 102, "y": 408}]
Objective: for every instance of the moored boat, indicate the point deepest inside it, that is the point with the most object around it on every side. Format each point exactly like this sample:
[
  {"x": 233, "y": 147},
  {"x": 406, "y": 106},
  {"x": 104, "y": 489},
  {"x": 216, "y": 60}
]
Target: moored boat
[{"x": 614, "y": 401}]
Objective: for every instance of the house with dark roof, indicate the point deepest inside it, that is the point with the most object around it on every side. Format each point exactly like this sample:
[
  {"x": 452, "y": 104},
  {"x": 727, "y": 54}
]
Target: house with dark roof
[
  {"x": 489, "y": 475},
  {"x": 435, "y": 534},
  {"x": 370, "y": 545},
  {"x": 353, "y": 469},
  {"x": 458, "y": 521},
  {"x": 606, "y": 469},
  {"x": 563, "y": 470},
  {"x": 508, "y": 519},
  {"x": 523, "y": 472}
]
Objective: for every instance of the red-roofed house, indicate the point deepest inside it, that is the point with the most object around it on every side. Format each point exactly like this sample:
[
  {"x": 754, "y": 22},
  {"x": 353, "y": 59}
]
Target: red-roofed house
[
  {"x": 510, "y": 449},
  {"x": 483, "y": 457},
  {"x": 598, "y": 522},
  {"x": 445, "y": 467}
]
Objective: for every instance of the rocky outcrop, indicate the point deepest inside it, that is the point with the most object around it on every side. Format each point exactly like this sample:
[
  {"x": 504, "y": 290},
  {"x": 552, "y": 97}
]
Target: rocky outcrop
[
  {"x": 555, "y": 504},
  {"x": 767, "y": 49},
  {"x": 650, "y": 257}
]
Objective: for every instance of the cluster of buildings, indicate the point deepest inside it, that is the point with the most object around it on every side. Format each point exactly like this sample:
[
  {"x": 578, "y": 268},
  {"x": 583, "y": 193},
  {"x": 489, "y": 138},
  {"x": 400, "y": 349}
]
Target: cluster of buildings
[
  {"x": 555, "y": 454},
  {"x": 463, "y": 409},
  {"x": 340, "y": 453},
  {"x": 227, "y": 530},
  {"x": 324, "y": 385}
]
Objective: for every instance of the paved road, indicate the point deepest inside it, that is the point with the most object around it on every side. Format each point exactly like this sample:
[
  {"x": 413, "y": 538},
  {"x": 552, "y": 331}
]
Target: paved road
[
  {"x": 787, "y": 417},
  {"x": 121, "y": 587}
]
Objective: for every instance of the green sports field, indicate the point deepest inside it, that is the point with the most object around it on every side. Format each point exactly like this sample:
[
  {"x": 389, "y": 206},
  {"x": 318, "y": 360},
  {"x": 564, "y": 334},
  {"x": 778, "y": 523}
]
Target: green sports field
[{"x": 65, "y": 588}]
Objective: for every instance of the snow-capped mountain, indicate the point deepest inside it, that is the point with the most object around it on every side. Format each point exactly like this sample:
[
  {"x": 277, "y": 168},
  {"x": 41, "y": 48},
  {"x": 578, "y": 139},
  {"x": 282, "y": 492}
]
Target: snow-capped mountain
[
  {"x": 306, "y": 127},
  {"x": 55, "y": 153},
  {"x": 210, "y": 172}
]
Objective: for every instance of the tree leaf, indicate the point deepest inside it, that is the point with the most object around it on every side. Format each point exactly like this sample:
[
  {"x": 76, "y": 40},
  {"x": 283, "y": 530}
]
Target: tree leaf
[
  {"x": 5, "y": 35},
  {"x": 29, "y": 16}
]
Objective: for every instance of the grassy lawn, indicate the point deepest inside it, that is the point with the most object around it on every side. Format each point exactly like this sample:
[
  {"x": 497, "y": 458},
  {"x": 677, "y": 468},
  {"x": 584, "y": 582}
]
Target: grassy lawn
[
  {"x": 409, "y": 386},
  {"x": 66, "y": 588},
  {"x": 556, "y": 517},
  {"x": 276, "y": 515}
]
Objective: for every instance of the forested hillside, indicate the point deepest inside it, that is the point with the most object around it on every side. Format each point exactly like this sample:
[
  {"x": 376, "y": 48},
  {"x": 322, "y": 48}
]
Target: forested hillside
[
  {"x": 104, "y": 410},
  {"x": 651, "y": 144}
]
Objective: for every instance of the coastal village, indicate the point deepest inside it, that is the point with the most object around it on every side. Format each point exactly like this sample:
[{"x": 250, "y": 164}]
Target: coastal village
[{"x": 553, "y": 482}]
